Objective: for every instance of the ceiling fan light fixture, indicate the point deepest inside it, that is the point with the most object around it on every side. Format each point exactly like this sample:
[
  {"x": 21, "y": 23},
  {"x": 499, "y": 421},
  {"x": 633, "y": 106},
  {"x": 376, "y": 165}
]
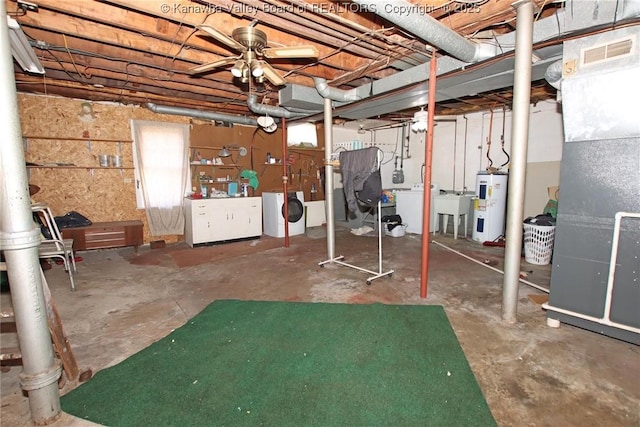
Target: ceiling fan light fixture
[
  {"x": 256, "y": 68},
  {"x": 238, "y": 68},
  {"x": 245, "y": 75}
]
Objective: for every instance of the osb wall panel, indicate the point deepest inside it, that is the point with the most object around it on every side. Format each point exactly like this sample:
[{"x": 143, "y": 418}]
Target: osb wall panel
[{"x": 101, "y": 194}]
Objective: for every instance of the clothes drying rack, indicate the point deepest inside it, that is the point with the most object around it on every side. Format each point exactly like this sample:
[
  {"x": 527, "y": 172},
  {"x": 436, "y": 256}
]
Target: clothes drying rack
[{"x": 339, "y": 259}]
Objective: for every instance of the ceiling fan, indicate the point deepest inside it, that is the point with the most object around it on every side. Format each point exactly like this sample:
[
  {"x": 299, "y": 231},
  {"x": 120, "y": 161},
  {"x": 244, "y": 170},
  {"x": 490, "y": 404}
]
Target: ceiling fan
[{"x": 252, "y": 43}]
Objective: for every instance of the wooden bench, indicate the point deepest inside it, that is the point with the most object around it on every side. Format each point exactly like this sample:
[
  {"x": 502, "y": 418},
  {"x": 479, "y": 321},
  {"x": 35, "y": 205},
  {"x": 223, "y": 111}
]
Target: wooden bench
[{"x": 102, "y": 235}]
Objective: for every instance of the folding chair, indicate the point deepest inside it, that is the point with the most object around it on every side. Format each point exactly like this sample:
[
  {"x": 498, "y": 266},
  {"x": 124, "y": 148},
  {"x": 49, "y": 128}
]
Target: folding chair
[{"x": 53, "y": 245}]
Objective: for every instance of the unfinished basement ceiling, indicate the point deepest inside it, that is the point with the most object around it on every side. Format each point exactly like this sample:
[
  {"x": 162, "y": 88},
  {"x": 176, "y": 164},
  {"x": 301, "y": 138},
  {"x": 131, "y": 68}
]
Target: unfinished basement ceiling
[{"x": 140, "y": 51}]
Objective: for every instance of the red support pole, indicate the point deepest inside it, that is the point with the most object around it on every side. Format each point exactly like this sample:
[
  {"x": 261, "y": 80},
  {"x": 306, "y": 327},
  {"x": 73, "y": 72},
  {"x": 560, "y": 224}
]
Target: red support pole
[
  {"x": 428, "y": 154},
  {"x": 285, "y": 181}
]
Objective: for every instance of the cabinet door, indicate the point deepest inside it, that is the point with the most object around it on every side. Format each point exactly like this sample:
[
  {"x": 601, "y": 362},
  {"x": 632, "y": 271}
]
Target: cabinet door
[
  {"x": 202, "y": 222},
  {"x": 247, "y": 216},
  {"x": 223, "y": 219}
]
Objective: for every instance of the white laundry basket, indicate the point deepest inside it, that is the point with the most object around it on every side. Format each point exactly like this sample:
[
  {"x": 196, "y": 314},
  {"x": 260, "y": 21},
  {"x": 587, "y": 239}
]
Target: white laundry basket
[
  {"x": 398, "y": 230},
  {"x": 538, "y": 243}
]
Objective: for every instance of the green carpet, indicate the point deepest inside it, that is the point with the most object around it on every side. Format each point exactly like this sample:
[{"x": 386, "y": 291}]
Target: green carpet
[{"x": 292, "y": 364}]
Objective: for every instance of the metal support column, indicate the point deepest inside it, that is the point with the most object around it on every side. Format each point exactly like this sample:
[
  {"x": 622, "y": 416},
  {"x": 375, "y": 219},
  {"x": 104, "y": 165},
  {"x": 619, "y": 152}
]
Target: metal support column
[
  {"x": 19, "y": 240},
  {"x": 328, "y": 178},
  {"x": 518, "y": 167}
]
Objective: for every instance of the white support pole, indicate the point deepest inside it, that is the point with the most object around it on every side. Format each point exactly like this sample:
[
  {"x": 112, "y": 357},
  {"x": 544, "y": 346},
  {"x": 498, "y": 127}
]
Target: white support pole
[
  {"x": 328, "y": 178},
  {"x": 518, "y": 166}
]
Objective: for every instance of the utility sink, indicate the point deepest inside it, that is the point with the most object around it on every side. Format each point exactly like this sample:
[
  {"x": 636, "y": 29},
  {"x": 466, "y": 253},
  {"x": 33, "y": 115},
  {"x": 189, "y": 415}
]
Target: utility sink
[{"x": 455, "y": 204}]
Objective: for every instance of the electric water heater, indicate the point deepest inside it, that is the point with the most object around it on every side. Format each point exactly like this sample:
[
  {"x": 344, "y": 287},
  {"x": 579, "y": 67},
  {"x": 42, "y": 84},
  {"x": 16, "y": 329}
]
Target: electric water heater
[{"x": 489, "y": 206}]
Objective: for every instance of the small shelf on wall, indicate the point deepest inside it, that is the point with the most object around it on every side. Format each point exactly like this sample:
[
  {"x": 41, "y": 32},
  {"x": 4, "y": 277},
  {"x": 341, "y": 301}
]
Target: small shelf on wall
[
  {"x": 58, "y": 138},
  {"x": 75, "y": 167},
  {"x": 292, "y": 148}
]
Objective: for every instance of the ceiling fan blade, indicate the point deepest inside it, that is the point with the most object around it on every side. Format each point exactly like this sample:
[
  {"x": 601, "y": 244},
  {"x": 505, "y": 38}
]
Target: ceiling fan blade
[
  {"x": 271, "y": 75},
  {"x": 221, "y": 37},
  {"x": 306, "y": 51},
  {"x": 198, "y": 69}
]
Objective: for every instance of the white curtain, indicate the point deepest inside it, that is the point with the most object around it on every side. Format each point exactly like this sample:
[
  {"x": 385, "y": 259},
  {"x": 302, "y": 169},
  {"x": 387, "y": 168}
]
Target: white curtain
[{"x": 162, "y": 159}]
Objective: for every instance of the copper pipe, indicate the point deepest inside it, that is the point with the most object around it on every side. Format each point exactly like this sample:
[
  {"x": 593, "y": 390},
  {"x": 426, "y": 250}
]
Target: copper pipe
[
  {"x": 428, "y": 154},
  {"x": 285, "y": 181}
]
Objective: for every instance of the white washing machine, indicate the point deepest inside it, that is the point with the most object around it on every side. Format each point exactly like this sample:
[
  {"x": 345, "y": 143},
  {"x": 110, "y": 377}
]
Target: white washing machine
[
  {"x": 273, "y": 213},
  {"x": 409, "y": 205}
]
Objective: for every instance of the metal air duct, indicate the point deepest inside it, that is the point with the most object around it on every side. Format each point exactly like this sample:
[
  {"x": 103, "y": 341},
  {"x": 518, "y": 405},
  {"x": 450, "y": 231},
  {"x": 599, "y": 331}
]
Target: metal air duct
[
  {"x": 334, "y": 94},
  {"x": 205, "y": 115},
  {"x": 252, "y": 102},
  {"x": 553, "y": 75},
  {"x": 589, "y": 14},
  {"x": 415, "y": 19}
]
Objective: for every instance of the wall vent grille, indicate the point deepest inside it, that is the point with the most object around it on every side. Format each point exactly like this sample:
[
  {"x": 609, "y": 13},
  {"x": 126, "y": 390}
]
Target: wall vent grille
[{"x": 609, "y": 51}]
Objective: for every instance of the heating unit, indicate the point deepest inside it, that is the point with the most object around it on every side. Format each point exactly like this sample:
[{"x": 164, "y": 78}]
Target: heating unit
[{"x": 595, "y": 273}]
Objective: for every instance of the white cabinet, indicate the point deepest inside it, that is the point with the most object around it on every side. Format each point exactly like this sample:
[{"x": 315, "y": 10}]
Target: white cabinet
[{"x": 215, "y": 220}]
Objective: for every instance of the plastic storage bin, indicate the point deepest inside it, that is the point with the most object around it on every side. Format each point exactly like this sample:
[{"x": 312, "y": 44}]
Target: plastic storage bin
[{"x": 538, "y": 243}]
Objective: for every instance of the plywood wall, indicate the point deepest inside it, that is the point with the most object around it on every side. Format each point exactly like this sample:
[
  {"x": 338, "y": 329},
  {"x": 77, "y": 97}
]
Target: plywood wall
[{"x": 101, "y": 194}]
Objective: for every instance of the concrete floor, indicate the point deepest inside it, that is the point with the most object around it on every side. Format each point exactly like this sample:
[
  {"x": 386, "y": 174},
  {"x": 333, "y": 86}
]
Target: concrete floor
[{"x": 530, "y": 374}]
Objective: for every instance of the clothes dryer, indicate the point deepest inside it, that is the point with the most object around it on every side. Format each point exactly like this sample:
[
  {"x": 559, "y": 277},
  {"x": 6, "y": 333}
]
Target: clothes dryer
[{"x": 273, "y": 213}]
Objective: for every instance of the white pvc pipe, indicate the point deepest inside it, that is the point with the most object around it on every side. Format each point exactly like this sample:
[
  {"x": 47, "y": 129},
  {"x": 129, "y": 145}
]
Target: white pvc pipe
[
  {"x": 605, "y": 319},
  {"x": 526, "y": 282}
]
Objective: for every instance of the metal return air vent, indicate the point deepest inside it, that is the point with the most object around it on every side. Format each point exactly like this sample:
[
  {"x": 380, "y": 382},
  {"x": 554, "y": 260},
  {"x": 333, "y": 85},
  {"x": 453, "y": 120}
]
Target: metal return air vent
[{"x": 608, "y": 51}]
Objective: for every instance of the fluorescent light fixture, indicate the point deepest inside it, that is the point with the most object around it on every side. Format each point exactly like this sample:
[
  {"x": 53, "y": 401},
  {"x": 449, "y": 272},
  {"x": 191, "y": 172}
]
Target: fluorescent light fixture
[{"x": 21, "y": 49}]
